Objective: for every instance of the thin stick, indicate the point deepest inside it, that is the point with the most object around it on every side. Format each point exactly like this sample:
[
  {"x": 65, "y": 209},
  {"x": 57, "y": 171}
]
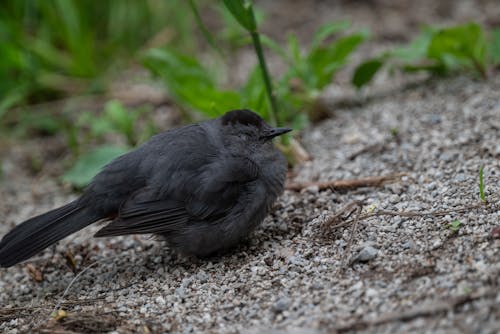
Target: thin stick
[
  {"x": 347, "y": 256},
  {"x": 408, "y": 214},
  {"x": 371, "y": 181},
  {"x": 339, "y": 213},
  {"x": 17, "y": 312},
  {"x": 59, "y": 302}
]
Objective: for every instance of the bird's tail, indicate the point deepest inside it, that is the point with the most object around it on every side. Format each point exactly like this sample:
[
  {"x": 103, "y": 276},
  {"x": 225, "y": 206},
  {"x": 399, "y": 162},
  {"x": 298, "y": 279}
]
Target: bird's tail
[{"x": 38, "y": 233}]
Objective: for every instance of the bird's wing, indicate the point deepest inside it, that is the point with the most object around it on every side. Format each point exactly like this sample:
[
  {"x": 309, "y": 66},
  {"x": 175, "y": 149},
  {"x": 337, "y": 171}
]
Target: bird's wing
[
  {"x": 204, "y": 189},
  {"x": 141, "y": 216}
]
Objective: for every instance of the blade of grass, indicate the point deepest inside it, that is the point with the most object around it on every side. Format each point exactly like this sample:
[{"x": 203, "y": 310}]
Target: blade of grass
[{"x": 481, "y": 185}]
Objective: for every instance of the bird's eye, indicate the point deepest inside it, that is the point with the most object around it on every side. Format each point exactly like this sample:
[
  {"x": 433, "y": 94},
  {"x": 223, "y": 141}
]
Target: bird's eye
[{"x": 242, "y": 136}]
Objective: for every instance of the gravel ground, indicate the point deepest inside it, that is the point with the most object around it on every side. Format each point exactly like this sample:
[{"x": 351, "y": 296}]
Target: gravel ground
[{"x": 297, "y": 274}]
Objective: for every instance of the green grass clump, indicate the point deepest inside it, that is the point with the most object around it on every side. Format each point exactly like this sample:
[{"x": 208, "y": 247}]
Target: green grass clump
[{"x": 56, "y": 48}]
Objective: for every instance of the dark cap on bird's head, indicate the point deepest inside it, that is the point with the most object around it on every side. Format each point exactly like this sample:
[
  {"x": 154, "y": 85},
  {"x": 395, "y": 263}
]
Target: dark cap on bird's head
[
  {"x": 250, "y": 118},
  {"x": 242, "y": 116}
]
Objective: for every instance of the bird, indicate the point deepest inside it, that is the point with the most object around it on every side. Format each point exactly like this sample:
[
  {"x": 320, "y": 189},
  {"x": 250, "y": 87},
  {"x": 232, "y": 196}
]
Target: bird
[{"x": 202, "y": 188}]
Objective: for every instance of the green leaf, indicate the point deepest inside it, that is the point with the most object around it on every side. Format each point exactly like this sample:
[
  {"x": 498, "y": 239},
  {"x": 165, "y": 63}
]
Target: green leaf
[
  {"x": 211, "y": 101},
  {"x": 243, "y": 13},
  {"x": 232, "y": 31},
  {"x": 189, "y": 83},
  {"x": 463, "y": 45},
  {"x": 434, "y": 68},
  {"x": 89, "y": 164},
  {"x": 11, "y": 98},
  {"x": 122, "y": 120},
  {"x": 49, "y": 54},
  {"x": 42, "y": 121},
  {"x": 98, "y": 125},
  {"x": 294, "y": 49},
  {"x": 365, "y": 72},
  {"x": 271, "y": 44},
  {"x": 176, "y": 68},
  {"x": 416, "y": 50},
  {"x": 324, "y": 61},
  {"x": 443, "y": 50},
  {"x": 300, "y": 121},
  {"x": 454, "y": 225},
  {"x": 495, "y": 46},
  {"x": 326, "y": 31},
  {"x": 299, "y": 66}
]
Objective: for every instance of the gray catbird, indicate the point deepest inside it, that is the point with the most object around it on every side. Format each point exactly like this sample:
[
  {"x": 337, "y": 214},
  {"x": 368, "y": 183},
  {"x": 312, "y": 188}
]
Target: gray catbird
[{"x": 202, "y": 187}]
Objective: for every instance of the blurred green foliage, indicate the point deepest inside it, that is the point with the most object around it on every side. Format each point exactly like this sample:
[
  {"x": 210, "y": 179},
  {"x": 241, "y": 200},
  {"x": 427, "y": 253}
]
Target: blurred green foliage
[
  {"x": 190, "y": 84},
  {"x": 439, "y": 51},
  {"x": 39, "y": 123},
  {"x": 242, "y": 11},
  {"x": 495, "y": 46},
  {"x": 90, "y": 163},
  {"x": 57, "y": 47},
  {"x": 311, "y": 69},
  {"x": 116, "y": 119},
  {"x": 232, "y": 35},
  {"x": 198, "y": 88},
  {"x": 130, "y": 126}
]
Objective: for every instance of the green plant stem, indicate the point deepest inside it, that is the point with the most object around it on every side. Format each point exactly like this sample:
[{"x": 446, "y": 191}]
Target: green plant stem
[
  {"x": 265, "y": 76},
  {"x": 481, "y": 185}
]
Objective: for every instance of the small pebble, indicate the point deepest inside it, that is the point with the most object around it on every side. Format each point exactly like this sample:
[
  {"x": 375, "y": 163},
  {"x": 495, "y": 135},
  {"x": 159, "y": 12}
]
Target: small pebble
[{"x": 366, "y": 254}]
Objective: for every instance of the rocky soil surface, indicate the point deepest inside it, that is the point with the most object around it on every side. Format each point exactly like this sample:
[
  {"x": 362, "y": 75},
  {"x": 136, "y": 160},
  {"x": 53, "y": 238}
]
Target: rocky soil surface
[{"x": 431, "y": 263}]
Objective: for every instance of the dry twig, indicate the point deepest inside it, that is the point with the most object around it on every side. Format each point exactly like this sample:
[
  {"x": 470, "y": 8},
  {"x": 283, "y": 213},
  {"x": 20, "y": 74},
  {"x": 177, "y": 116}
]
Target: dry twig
[
  {"x": 20, "y": 311},
  {"x": 342, "y": 214},
  {"x": 60, "y": 301},
  {"x": 371, "y": 181},
  {"x": 357, "y": 211},
  {"x": 81, "y": 323},
  {"x": 408, "y": 214}
]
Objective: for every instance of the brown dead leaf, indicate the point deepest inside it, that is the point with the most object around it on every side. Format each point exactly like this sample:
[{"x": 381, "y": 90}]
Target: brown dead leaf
[{"x": 34, "y": 272}]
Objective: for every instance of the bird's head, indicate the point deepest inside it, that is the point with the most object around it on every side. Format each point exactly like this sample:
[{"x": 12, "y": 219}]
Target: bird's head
[{"x": 249, "y": 126}]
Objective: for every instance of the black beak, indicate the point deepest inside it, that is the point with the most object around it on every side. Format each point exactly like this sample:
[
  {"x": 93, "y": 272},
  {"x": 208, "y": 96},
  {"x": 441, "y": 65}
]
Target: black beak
[{"x": 275, "y": 132}]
